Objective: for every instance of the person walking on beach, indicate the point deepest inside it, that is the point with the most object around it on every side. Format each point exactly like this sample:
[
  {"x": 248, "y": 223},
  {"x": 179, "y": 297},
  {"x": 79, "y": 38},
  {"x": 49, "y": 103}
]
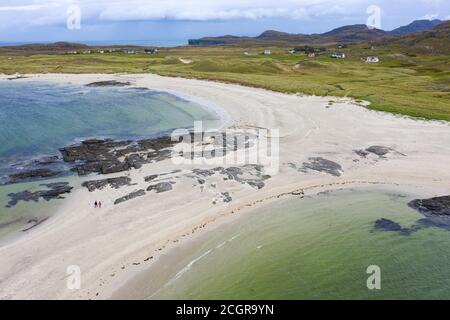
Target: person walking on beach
[
  {"x": 99, "y": 204},
  {"x": 95, "y": 204}
]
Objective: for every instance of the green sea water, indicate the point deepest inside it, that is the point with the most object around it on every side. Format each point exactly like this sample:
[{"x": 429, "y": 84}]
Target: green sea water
[{"x": 318, "y": 247}]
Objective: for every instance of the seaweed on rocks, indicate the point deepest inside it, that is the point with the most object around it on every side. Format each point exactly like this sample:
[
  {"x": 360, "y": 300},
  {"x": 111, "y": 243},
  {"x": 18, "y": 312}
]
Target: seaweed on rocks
[
  {"x": 132, "y": 195},
  {"x": 55, "y": 191},
  {"x": 115, "y": 183}
]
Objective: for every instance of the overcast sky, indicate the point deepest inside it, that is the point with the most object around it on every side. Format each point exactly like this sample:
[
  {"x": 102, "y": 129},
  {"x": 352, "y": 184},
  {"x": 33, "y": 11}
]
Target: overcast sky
[{"x": 46, "y": 20}]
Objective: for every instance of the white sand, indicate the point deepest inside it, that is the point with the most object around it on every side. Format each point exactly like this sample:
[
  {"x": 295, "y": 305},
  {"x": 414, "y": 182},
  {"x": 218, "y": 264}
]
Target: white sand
[{"x": 112, "y": 245}]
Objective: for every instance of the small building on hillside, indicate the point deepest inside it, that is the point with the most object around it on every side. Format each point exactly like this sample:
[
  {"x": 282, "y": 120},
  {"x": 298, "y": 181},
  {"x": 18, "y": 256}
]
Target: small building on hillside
[
  {"x": 338, "y": 55},
  {"x": 129, "y": 51},
  {"x": 372, "y": 60},
  {"x": 311, "y": 55},
  {"x": 151, "y": 51},
  {"x": 267, "y": 52}
]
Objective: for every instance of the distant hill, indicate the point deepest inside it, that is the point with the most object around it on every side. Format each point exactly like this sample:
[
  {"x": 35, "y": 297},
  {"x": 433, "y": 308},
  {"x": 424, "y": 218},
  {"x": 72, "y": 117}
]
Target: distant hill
[
  {"x": 416, "y": 26},
  {"x": 41, "y": 48},
  {"x": 436, "y": 40},
  {"x": 354, "y": 33},
  {"x": 346, "y": 34},
  {"x": 52, "y": 46}
]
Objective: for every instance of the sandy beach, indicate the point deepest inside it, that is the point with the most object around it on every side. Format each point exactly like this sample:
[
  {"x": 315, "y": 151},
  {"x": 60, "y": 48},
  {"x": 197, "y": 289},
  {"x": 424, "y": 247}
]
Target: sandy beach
[{"x": 116, "y": 243}]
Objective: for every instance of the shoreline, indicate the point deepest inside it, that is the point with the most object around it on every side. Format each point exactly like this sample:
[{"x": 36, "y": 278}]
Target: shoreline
[
  {"x": 167, "y": 268},
  {"x": 103, "y": 242}
]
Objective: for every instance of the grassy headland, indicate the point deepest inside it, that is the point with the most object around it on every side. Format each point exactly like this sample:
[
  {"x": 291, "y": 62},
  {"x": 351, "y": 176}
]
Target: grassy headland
[{"x": 413, "y": 84}]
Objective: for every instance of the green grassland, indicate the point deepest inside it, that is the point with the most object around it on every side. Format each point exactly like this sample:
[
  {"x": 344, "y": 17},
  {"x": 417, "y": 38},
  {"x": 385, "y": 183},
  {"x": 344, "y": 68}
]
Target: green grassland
[{"x": 416, "y": 85}]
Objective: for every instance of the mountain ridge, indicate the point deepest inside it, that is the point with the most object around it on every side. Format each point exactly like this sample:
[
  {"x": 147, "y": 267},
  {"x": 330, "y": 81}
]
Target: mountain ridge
[{"x": 345, "y": 34}]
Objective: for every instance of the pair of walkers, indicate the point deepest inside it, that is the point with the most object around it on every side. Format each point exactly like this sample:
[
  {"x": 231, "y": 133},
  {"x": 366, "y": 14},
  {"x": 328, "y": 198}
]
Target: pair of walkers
[{"x": 97, "y": 204}]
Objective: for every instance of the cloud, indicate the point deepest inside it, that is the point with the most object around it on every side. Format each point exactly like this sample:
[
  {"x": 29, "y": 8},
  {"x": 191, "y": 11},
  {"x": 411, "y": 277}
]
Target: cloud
[
  {"x": 35, "y": 12},
  {"x": 23, "y": 13}
]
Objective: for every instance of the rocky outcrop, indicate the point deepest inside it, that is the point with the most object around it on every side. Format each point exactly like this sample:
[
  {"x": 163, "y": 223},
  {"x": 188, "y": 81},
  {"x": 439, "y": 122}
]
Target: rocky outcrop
[
  {"x": 132, "y": 195},
  {"x": 438, "y": 206},
  {"x": 436, "y": 213},
  {"x": 115, "y": 183},
  {"x": 28, "y": 175},
  {"x": 160, "y": 187},
  {"x": 380, "y": 151},
  {"x": 321, "y": 165},
  {"x": 389, "y": 225},
  {"x": 54, "y": 192},
  {"x": 103, "y": 156},
  {"x": 108, "y": 83}
]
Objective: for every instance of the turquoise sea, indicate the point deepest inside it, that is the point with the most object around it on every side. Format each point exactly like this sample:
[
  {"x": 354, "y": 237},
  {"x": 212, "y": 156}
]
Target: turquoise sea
[
  {"x": 37, "y": 118},
  {"x": 318, "y": 247}
]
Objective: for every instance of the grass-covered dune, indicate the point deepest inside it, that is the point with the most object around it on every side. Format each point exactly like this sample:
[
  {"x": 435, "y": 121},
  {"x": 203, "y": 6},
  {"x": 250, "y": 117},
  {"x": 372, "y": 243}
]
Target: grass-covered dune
[{"x": 416, "y": 85}]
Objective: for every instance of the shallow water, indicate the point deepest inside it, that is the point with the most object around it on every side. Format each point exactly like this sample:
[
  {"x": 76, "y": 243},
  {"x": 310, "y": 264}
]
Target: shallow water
[
  {"x": 37, "y": 118},
  {"x": 315, "y": 248}
]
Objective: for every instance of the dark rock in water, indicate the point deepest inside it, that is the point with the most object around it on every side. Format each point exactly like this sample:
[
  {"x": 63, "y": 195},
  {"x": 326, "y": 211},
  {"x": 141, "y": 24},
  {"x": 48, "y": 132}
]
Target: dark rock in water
[
  {"x": 156, "y": 144},
  {"x": 323, "y": 165},
  {"x": 30, "y": 174},
  {"x": 389, "y": 225},
  {"x": 93, "y": 150},
  {"x": 442, "y": 222},
  {"x": 160, "y": 187},
  {"x": 438, "y": 206},
  {"x": 115, "y": 183},
  {"x": 55, "y": 192},
  {"x": 130, "y": 196},
  {"x": 108, "y": 83}
]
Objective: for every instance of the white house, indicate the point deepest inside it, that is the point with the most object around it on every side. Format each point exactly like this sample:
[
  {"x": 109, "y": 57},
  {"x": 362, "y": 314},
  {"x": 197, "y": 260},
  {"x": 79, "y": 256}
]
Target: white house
[
  {"x": 151, "y": 51},
  {"x": 372, "y": 60},
  {"x": 267, "y": 52},
  {"x": 338, "y": 55}
]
